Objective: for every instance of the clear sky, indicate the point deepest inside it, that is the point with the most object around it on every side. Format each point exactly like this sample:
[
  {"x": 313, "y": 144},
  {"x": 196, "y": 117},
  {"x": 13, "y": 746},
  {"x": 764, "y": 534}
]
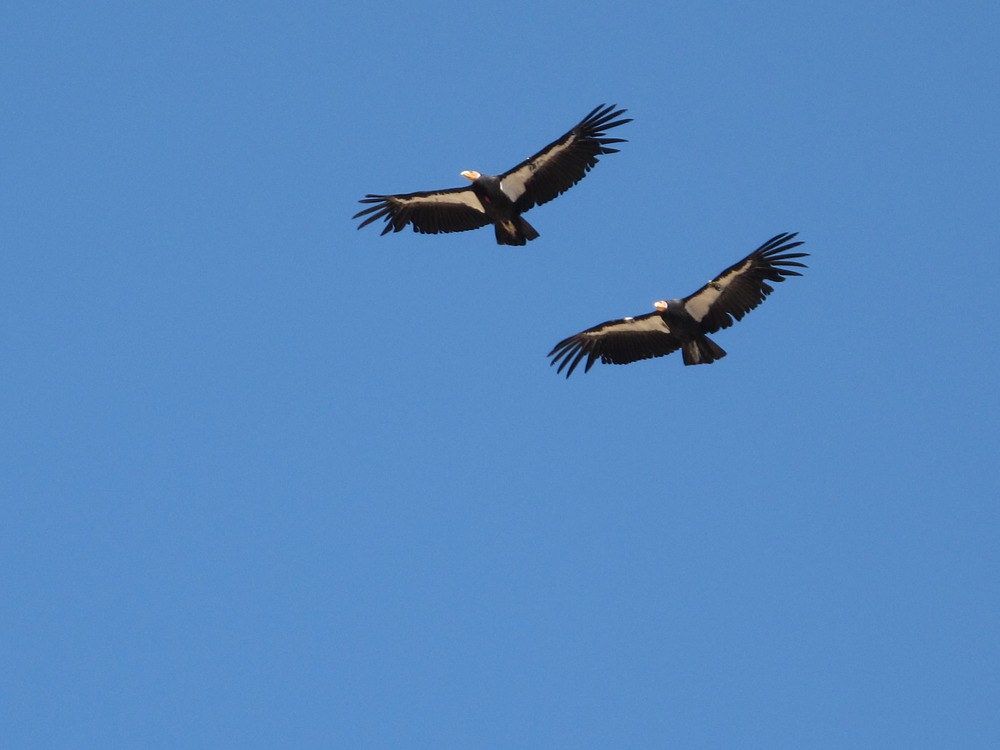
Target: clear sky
[{"x": 269, "y": 481}]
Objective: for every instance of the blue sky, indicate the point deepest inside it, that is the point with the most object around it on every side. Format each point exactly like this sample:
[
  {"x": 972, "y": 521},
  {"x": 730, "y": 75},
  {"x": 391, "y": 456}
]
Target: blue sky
[{"x": 269, "y": 481}]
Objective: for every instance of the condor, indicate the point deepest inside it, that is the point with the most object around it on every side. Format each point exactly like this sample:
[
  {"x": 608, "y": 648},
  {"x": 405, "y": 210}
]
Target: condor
[
  {"x": 683, "y": 323},
  {"x": 501, "y": 199}
]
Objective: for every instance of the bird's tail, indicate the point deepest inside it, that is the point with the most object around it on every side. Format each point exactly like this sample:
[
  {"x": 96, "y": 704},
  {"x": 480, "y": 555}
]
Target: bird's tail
[
  {"x": 702, "y": 351},
  {"x": 515, "y": 231}
]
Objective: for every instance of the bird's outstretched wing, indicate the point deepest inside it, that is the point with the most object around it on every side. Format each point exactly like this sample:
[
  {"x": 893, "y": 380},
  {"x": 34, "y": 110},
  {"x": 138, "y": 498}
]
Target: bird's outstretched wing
[
  {"x": 744, "y": 285},
  {"x": 564, "y": 162},
  {"x": 428, "y": 212},
  {"x": 616, "y": 342}
]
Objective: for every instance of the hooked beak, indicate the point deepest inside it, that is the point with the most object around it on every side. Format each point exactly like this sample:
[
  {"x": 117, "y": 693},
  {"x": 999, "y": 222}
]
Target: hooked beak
[{"x": 471, "y": 174}]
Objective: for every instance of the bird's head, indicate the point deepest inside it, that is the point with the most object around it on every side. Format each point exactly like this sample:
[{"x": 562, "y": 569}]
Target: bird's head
[
  {"x": 660, "y": 305},
  {"x": 471, "y": 174}
]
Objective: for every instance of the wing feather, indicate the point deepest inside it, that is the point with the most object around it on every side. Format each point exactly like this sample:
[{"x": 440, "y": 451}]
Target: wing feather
[
  {"x": 616, "y": 342},
  {"x": 429, "y": 212},
  {"x": 744, "y": 285},
  {"x": 564, "y": 162}
]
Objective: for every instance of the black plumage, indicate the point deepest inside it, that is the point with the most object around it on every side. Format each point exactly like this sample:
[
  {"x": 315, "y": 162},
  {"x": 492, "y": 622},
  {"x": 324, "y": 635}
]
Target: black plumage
[
  {"x": 501, "y": 199},
  {"x": 684, "y": 323}
]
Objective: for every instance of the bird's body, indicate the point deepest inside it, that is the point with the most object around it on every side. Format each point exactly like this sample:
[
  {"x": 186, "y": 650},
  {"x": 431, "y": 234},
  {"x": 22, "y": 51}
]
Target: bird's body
[
  {"x": 501, "y": 199},
  {"x": 696, "y": 347},
  {"x": 511, "y": 228},
  {"x": 684, "y": 323}
]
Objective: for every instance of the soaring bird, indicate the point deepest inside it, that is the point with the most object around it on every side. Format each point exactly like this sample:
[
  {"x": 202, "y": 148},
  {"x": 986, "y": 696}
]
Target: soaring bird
[
  {"x": 501, "y": 199},
  {"x": 683, "y": 323}
]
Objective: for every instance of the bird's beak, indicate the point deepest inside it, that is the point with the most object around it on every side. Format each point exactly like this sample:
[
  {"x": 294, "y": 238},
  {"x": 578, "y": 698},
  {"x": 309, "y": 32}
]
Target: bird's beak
[
  {"x": 660, "y": 305},
  {"x": 470, "y": 174}
]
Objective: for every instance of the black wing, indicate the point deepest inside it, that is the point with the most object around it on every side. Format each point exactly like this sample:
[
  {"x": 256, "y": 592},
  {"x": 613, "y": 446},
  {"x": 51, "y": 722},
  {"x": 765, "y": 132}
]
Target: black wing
[
  {"x": 616, "y": 342},
  {"x": 744, "y": 285},
  {"x": 564, "y": 162},
  {"x": 430, "y": 212}
]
